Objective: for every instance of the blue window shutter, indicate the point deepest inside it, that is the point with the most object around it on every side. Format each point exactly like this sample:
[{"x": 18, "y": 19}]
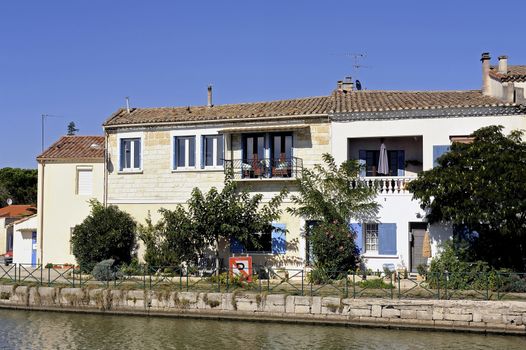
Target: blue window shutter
[
  {"x": 175, "y": 154},
  {"x": 387, "y": 239},
  {"x": 122, "y": 155},
  {"x": 191, "y": 151},
  {"x": 357, "y": 228},
  {"x": 362, "y": 161},
  {"x": 279, "y": 240},
  {"x": 401, "y": 163},
  {"x": 220, "y": 150},
  {"x": 235, "y": 246},
  {"x": 203, "y": 152},
  {"x": 439, "y": 150}
]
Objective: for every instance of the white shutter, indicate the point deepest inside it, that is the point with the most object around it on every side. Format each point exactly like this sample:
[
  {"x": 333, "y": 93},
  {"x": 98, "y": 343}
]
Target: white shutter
[{"x": 85, "y": 182}]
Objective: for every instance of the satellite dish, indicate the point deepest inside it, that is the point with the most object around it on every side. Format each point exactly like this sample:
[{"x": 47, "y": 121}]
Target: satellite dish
[
  {"x": 358, "y": 85},
  {"x": 9, "y": 201}
]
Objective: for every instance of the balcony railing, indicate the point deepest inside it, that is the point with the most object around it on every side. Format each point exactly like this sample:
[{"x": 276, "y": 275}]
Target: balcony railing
[
  {"x": 267, "y": 168},
  {"x": 386, "y": 184}
]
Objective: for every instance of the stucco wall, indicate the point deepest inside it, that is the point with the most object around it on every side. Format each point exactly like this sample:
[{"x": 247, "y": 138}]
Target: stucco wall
[
  {"x": 435, "y": 131},
  {"x": 63, "y": 208}
]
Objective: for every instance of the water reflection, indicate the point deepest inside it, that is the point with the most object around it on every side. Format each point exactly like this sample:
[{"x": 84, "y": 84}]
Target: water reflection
[{"x": 47, "y": 330}]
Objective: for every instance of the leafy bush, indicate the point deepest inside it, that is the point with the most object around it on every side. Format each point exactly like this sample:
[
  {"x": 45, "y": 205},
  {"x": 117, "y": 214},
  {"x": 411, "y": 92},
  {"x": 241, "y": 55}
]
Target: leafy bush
[
  {"x": 105, "y": 271},
  {"x": 107, "y": 233},
  {"x": 374, "y": 283},
  {"x": 233, "y": 280},
  {"x": 335, "y": 250}
]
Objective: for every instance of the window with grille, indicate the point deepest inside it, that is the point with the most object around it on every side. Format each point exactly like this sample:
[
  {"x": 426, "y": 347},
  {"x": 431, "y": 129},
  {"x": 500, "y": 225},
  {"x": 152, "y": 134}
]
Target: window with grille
[{"x": 371, "y": 237}]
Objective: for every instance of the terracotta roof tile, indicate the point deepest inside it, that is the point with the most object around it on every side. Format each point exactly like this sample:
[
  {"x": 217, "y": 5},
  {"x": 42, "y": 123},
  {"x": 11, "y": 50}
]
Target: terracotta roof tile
[
  {"x": 374, "y": 101},
  {"x": 338, "y": 102},
  {"x": 75, "y": 147},
  {"x": 19, "y": 210},
  {"x": 294, "y": 107},
  {"x": 515, "y": 73}
]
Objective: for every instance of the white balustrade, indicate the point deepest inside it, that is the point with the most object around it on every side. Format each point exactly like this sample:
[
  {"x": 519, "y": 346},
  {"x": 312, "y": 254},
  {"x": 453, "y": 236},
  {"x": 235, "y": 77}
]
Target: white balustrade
[{"x": 387, "y": 184}]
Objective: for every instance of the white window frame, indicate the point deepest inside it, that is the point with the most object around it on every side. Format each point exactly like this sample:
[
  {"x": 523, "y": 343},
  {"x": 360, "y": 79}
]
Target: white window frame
[
  {"x": 371, "y": 241},
  {"x": 131, "y": 135},
  {"x": 214, "y": 152},
  {"x": 77, "y": 182},
  {"x": 186, "y": 152}
]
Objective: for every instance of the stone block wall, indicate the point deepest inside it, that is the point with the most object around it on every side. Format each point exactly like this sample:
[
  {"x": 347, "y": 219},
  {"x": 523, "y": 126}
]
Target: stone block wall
[{"x": 465, "y": 315}]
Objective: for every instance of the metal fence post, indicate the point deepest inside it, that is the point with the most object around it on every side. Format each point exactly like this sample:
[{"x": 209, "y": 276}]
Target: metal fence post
[
  {"x": 399, "y": 291},
  {"x": 391, "y": 287},
  {"x": 346, "y": 285},
  {"x": 187, "y": 279},
  {"x": 228, "y": 280},
  {"x": 354, "y": 285},
  {"x": 498, "y": 286},
  {"x": 487, "y": 286},
  {"x": 42, "y": 272},
  {"x": 302, "y": 291},
  {"x": 446, "y": 282},
  {"x": 48, "y": 277}
]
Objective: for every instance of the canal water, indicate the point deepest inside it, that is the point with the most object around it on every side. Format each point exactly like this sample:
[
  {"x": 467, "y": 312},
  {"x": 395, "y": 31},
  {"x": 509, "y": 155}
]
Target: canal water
[{"x": 50, "y": 330}]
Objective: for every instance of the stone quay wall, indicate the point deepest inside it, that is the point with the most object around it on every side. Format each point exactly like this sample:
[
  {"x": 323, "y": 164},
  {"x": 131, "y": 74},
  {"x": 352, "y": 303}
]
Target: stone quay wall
[{"x": 507, "y": 317}]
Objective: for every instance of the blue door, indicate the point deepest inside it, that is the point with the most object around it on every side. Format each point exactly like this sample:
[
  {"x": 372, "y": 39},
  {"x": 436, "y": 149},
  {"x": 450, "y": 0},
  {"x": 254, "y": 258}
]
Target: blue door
[{"x": 34, "y": 248}]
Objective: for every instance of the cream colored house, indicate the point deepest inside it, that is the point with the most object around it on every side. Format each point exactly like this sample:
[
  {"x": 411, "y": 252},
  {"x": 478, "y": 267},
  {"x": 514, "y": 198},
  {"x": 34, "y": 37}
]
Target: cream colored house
[
  {"x": 70, "y": 173},
  {"x": 156, "y": 156}
]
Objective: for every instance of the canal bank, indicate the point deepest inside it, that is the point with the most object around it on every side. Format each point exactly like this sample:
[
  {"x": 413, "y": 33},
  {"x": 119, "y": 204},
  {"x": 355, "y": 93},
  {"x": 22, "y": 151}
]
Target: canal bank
[{"x": 504, "y": 317}]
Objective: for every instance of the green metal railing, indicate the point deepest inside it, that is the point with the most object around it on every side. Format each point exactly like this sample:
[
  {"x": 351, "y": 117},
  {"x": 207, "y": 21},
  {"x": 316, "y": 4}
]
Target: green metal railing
[{"x": 445, "y": 285}]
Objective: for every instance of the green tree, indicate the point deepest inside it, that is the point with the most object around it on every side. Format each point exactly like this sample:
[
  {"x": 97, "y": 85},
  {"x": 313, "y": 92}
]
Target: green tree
[
  {"x": 72, "y": 129},
  {"x": 209, "y": 219},
  {"x": 107, "y": 233},
  {"x": 172, "y": 240},
  {"x": 479, "y": 187},
  {"x": 232, "y": 214},
  {"x": 18, "y": 184},
  {"x": 333, "y": 196}
]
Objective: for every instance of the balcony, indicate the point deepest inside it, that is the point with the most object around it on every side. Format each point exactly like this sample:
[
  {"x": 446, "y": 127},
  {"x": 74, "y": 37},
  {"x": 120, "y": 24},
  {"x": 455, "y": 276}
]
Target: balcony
[
  {"x": 267, "y": 168},
  {"x": 385, "y": 184}
]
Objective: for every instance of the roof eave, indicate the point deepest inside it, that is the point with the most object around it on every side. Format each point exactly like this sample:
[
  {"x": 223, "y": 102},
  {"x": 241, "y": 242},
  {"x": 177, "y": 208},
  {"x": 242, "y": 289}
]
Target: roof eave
[{"x": 213, "y": 121}]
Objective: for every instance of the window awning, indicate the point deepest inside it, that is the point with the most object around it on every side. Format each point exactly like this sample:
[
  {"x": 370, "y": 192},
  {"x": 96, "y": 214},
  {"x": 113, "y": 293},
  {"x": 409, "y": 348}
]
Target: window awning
[{"x": 282, "y": 127}]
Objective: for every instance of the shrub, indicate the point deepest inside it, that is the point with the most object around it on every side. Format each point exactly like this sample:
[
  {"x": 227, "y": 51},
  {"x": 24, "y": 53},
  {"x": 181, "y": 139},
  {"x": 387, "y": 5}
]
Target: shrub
[
  {"x": 107, "y": 233},
  {"x": 335, "y": 251},
  {"x": 375, "y": 283},
  {"x": 105, "y": 271}
]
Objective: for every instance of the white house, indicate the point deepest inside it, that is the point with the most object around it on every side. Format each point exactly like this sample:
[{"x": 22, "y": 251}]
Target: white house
[
  {"x": 415, "y": 128},
  {"x": 25, "y": 241}
]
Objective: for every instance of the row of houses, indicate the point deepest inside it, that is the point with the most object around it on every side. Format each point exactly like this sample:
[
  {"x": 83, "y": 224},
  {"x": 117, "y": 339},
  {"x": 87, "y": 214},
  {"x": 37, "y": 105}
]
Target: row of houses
[{"x": 151, "y": 158}]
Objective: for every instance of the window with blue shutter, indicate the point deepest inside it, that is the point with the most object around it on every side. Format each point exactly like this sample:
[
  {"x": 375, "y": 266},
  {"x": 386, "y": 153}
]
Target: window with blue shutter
[
  {"x": 438, "y": 151},
  {"x": 236, "y": 247},
  {"x": 387, "y": 239},
  {"x": 279, "y": 240},
  {"x": 357, "y": 228},
  {"x": 184, "y": 152},
  {"x": 130, "y": 154}
]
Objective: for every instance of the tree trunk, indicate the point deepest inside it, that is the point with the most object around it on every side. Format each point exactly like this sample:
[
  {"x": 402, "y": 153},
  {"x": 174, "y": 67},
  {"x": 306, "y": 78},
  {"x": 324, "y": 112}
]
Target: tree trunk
[{"x": 217, "y": 256}]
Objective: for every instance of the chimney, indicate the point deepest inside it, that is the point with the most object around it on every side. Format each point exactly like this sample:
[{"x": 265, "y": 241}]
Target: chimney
[
  {"x": 486, "y": 88},
  {"x": 347, "y": 84},
  {"x": 339, "y": 86},
  {"x": 209, "y": 104},
  {"x": 503, "y": 64}
]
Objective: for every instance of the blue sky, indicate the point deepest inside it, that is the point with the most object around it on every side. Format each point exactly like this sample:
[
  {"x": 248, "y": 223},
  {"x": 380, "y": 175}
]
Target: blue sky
[{"x": 79, "y": 59}]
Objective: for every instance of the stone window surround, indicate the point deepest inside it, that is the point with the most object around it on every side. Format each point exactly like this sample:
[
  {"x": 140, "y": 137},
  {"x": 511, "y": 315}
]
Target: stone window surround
[
  {"x": 198, "y": 133},
  {"x": 130, "y": 135}
]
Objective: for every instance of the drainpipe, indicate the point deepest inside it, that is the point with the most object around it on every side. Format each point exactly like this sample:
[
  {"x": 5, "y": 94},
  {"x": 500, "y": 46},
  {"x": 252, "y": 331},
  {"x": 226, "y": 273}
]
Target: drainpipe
[
  {"x": 105, "y": 167},
  {"x": 40, "y": 210}
]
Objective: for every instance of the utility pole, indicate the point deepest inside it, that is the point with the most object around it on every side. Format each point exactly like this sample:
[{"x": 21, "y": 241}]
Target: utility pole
[{"x": 42, "y": 127}]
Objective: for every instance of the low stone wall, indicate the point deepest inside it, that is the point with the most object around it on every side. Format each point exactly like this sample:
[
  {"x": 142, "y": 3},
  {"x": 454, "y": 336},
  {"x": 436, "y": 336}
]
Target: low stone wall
[{"x": 463, "y": 315}]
